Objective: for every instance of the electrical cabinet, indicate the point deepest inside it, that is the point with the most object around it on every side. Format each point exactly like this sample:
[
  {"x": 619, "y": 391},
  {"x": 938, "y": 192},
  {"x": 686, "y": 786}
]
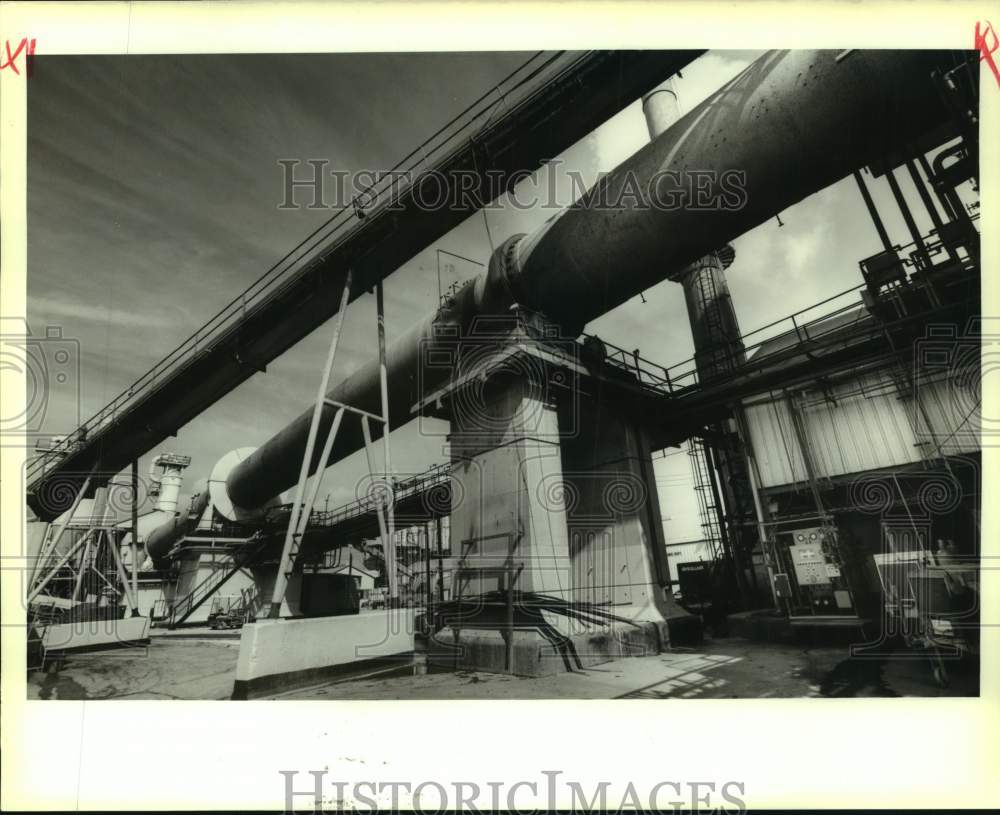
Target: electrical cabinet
[{"x": 813, "y": 585}]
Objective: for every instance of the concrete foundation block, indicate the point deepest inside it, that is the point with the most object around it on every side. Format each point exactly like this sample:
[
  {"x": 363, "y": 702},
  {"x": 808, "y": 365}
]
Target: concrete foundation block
[
  {"x": 284, "y": 654},
  {"x": 96, "y": 635}
]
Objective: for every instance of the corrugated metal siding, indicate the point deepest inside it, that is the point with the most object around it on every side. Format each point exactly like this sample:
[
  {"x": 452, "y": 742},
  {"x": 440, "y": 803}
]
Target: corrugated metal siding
[
  {"x": 866, "y": 429},
  {"x": 778, "y": 457},
  {"x": 870, "y": 426},
  {"x": 953, "y": 411}
]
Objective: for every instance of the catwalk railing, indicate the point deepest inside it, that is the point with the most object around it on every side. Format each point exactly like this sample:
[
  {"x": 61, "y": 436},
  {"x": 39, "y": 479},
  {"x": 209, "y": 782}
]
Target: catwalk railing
[
  {"x": 829, "y": 319},
  {"x": 402, "y": 489}
]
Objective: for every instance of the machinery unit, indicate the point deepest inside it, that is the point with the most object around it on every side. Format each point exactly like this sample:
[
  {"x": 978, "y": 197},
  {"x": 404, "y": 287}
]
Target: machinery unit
[
  {"x": 810, "y": 576},
  {"x": 695, "y": 579}
]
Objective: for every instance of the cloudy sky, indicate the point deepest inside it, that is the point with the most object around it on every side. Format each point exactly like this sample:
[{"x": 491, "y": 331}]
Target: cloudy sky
[{"x": 153, "y": 192}]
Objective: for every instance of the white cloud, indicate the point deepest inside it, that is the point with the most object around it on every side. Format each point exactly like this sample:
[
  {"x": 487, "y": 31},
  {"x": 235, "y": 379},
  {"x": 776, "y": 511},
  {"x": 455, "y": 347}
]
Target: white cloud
[
  {"x": 707, "y": 74},
  {"x": 49, "y": 308}
]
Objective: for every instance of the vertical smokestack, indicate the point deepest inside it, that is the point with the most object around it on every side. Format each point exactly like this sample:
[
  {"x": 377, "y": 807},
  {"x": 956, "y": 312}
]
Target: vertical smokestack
[
  {"x": 717, "y": 349},
  {"x": 716, "y": 334},
  {"x": 660, "y": 108},
  {"x": 166, "y": 485}
]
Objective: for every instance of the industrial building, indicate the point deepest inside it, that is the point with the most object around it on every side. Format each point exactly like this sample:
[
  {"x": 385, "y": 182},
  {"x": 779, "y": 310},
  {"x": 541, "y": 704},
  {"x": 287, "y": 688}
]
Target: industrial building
[{"x": 833, "y": 454}]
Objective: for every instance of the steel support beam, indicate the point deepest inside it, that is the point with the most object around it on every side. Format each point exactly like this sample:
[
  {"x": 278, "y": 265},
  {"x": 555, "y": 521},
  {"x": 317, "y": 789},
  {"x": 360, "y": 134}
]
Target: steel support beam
[{"x": 293, "y": 533}]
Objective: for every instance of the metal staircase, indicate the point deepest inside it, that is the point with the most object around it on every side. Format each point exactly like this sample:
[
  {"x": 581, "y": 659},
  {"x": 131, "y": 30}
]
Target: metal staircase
[
  {"x": 375, "y": 556},
  {"x": 186, "y": 606}
]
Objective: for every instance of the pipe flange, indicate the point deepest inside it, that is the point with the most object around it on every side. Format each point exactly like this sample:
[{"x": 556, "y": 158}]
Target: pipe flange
[
  {"x": 501, "y": 289},
  {"x": 220, "y": 494}
]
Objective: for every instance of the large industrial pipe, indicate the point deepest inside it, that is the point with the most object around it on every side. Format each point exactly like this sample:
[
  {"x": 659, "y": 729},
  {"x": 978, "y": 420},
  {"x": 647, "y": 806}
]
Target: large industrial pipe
[
  {"x": 412, "y": 369},
  {"x": 161, "y": 540},
  {"x": 791, "y": 124}
]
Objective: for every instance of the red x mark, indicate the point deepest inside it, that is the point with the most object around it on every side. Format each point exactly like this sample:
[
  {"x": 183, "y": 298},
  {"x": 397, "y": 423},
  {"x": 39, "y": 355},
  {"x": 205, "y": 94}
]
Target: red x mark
[
  {"x": 12, "y": 58},
  {"x": 986, "y": 47}
]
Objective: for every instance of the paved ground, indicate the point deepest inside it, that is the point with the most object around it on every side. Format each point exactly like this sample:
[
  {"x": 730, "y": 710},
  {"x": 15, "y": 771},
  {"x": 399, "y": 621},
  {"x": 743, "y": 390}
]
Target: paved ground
[
  {"x": 720, "y": 669},
  {"x": 201, "y": 665},
  {"x": 171, "y": 667}
]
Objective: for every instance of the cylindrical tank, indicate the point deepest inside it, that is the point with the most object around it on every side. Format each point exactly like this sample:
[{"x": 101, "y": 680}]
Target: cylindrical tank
[
  {"x": 791, "y": 124},
  {"x": 165, "y": 485}
]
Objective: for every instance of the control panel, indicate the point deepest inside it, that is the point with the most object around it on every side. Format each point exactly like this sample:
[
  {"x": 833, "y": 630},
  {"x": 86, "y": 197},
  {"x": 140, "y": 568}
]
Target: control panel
[
  {"x": 809, "y": 558},
  {"x": 812, "y": 555}
]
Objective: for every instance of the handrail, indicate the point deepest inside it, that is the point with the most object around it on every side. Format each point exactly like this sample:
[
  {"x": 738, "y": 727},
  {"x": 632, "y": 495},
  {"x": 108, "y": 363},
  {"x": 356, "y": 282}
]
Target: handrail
[
  {"x": 672, "y": 383},
  {"x": 367, "y": 503},
  {"x": 199, "y": 594},
  {"x": 688, "y": 365}
]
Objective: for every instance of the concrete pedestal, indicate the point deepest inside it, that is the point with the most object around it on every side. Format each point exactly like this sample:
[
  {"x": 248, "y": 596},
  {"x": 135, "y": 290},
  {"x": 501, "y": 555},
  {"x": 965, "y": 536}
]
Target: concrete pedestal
[
  {"x": 278, "y": 655},
  {"x": 505, "y": 456},
  {"x": 96, "y": 635},
  {"x": 554, "y": 494}
]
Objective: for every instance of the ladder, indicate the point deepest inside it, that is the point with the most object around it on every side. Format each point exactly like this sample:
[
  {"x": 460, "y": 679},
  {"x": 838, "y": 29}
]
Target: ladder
[
  {"x": 708, "y": 508},
  {"x": 742, "y": 516},
  {"x": 250, "y": 603},
  {"x": 708, "y": 295},
  {"x": 507, "y": 574}
]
